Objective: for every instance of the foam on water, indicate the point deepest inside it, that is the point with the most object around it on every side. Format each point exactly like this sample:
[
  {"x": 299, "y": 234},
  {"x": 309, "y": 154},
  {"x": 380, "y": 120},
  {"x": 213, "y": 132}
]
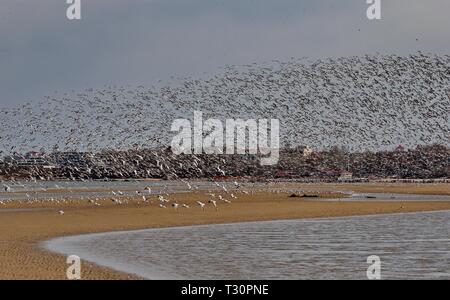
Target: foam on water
[{"x": 411, "y": 246}]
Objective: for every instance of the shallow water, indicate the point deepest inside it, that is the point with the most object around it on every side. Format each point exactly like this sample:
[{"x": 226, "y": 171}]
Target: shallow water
[
  {"x": 39, "y": 188},
  {"x": 410, "y": 246},
  {"x": 62, "y": 189},
  {"x": 396, "y": 197},
  {"x": 27, "y": 190}
]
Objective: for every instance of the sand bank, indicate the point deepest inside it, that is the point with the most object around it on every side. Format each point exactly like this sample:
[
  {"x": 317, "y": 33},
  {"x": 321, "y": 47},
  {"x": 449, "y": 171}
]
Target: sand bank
[{"x": 21, "y": 232}]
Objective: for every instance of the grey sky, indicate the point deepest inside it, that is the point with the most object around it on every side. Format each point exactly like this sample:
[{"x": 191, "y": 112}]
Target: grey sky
[{"x": 140, "y": 41}]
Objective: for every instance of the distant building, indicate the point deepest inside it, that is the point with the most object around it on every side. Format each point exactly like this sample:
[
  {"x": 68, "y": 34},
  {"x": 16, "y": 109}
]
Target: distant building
[
  {"x": 307, "y": 151},
  {"x": 34, "y": 154},
  {"x": 74, "y": 159},
  {"x": 346, "y": 176},
  {"x": 31, "y": 159},
  {"x": 331, "y": 172},
  {"x": 400, "y": 148},
  {"x": 285, "y": 174}
]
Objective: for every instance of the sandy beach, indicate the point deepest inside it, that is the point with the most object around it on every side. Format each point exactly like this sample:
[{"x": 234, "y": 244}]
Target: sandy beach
[{"x": 21, "y": 232}]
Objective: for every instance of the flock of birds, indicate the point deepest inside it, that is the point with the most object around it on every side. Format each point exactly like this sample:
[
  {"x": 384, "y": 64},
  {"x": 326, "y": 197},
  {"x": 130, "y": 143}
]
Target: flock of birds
[
  {"x": 164, "y": 201},
  {"x": 217, "y": 194},
  {"x": 361, "y": 103}
]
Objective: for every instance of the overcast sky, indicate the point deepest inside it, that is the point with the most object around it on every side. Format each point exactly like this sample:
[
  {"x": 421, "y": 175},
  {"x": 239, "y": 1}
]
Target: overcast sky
[{"x": 137, "y": 42}]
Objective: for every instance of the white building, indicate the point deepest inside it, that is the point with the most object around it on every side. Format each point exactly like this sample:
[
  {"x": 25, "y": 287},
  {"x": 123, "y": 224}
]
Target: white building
[{"x": 346, "y": 176}]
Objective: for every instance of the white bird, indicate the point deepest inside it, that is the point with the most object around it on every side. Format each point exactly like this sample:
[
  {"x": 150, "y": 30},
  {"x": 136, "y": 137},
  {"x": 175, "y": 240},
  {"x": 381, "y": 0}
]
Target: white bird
[
  {"x": 61, "y": 212},
  {"x": 201, "y": 204},
  {"x": 116, "y": 201},
  {"x": 214, "y": 203},
  {"x": 221, "y": 171},
  {"x": 162, "y": 200},
  {"x": 144, "y": 199}
]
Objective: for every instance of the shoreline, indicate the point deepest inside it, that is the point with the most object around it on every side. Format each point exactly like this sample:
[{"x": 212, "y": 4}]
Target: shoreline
[
  {"x": 56, "y": 245},
  {"x": 436, "y": 188},
  {"x": 23, "y": 232}
]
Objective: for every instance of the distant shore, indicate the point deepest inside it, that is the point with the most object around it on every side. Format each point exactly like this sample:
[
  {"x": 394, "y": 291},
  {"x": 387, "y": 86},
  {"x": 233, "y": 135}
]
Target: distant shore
[{"x": 22, "y": 232}]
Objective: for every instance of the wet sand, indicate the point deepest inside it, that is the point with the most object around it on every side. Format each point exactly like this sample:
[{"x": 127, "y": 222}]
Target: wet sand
[{"x": 21, "y": 232}]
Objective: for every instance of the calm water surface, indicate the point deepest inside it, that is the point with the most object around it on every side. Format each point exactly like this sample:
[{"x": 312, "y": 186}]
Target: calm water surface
[{"x": 411, "y": 246}]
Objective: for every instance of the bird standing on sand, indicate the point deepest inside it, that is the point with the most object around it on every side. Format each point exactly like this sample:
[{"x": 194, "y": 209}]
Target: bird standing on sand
[
  {"x": 214, "y": 203},
  {"x": 201, "y": 204}
]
